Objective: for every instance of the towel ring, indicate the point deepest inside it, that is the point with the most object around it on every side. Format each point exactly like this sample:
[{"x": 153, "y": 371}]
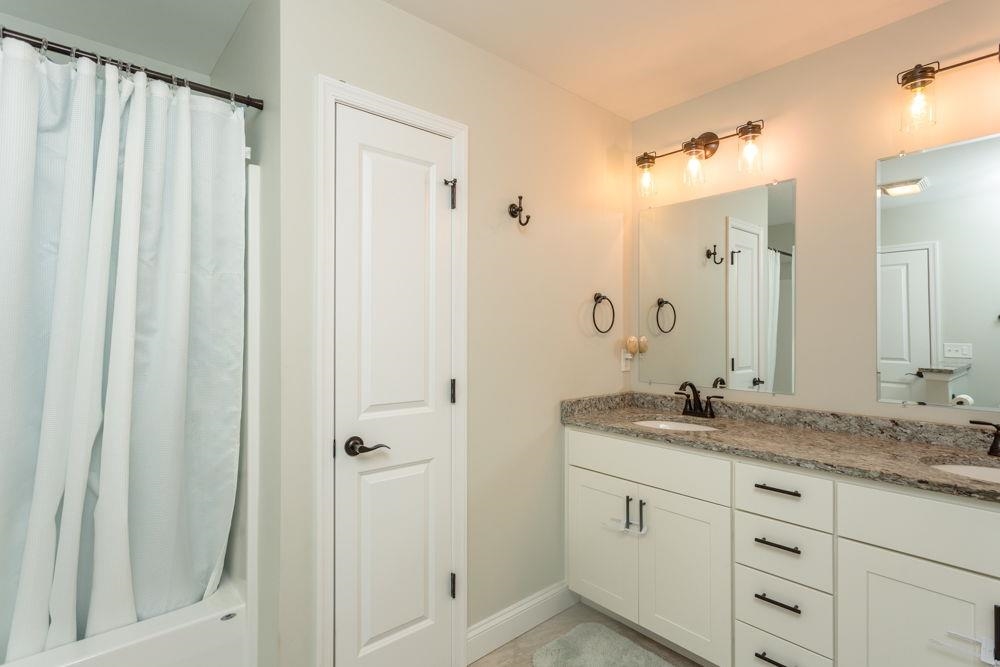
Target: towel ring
[
  {"x": 598, "y": 298},
  {"x": 660, "y": 303}
]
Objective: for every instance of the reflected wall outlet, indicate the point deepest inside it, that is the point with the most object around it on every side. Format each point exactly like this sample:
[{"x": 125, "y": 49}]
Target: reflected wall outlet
[{"x": 958, "y": 350}]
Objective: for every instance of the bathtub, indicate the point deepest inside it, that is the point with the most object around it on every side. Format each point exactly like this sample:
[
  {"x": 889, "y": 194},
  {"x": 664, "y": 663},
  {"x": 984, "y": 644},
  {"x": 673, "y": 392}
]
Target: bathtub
[{"x": 196, "y": 636}]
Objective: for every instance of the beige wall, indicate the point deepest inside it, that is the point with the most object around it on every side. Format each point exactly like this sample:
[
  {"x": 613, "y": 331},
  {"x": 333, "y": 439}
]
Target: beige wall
[
  {"x": 249, "y": 64},
  {"x": 530, "y": 339},
  {"x": 829, "y": 117}
]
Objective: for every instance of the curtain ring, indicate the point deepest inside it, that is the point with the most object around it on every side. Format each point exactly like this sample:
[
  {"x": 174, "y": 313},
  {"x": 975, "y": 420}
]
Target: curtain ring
[
  {"x": 43, "y": 51},
  {"x": 232, "y": 101},
  {"x": 598, "y": 298}
]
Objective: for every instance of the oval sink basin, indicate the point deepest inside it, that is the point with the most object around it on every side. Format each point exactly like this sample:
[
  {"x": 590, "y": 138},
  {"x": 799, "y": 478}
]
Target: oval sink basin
[
  {"x": 677, "y": 426},
  {"x": 982, "y": 473}
]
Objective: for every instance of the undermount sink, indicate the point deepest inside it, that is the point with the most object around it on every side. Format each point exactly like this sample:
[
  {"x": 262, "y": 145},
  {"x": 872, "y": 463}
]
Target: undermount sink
[
  {"x": 982, "y": 473},
  {"x": 679, "y": 426}
]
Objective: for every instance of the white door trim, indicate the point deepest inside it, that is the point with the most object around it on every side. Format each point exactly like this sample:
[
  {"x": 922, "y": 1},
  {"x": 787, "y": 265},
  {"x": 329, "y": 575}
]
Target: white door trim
[
  {"x": 252, "y": 416},
  {"x": 933, "y": 260},
  {"x": 330, "y": 93}
]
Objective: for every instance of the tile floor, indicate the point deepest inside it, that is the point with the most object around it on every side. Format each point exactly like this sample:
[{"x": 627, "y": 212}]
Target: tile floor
[{"x": 518, "y": 652}]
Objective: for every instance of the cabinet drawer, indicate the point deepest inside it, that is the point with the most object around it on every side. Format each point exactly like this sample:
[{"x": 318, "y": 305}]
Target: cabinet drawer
[
  {"x": 784, "y": 549},
  {"x": 967, "y": 537},
  {"x": 702, "y": 477},
  {"x": 785, "y": 495},
  {"x": 811, "y": 626},
  {"x": 753, "y": 645}
]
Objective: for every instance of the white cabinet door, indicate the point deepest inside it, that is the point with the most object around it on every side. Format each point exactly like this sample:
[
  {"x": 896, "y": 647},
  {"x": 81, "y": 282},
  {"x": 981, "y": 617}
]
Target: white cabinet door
[
  {"x": 898, "y": 610},
  {"x": 685, "y": 572},
  {"x": 602, "y": 551}
]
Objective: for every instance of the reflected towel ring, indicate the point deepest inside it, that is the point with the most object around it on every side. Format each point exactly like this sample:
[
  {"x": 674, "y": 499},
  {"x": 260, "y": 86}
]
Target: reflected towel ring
[
  {"x": 660, "y": 303},
  {"x": 598, "y": 298}
]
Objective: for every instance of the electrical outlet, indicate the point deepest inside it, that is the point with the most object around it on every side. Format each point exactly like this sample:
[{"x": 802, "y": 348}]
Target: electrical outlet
[
  {"x": 958, "y": 350},
  {"x": 626, "y": 361}
]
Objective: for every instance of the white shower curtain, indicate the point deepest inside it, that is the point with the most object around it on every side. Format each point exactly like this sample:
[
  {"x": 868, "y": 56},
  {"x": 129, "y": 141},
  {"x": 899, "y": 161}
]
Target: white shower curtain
[
  {"x": 121, "y": 346},
  {"x": 773, "y": 286}
]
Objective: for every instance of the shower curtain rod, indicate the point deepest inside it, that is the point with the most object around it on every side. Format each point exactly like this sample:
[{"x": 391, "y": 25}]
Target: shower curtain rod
[
  {"x": 780, "y": 252},
  {"x": 46, "y": 45}
]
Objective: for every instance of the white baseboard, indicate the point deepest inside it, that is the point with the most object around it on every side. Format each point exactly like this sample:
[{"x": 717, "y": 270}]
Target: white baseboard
[{"x": 493, "y": 632}]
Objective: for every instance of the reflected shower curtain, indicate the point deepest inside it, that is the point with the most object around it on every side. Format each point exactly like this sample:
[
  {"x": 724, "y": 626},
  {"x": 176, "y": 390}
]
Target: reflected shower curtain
[
  {"x": 121, "y": 346},
  {"x": 773, "y": 274}
]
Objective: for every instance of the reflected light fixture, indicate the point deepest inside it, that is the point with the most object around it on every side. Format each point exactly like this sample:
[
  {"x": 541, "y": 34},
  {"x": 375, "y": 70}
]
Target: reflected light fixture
[
  {"x": 701, "y": 148},
  {"x": 901, "y": 188},
  {"x": 919, "y": 110}
]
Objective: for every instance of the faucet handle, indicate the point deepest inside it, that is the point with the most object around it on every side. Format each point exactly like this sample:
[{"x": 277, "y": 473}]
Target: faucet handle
[
  {"x": 687, "y": 399},
  {"x": 995, "y": 446},
  {"x": 708, "y": 405}
]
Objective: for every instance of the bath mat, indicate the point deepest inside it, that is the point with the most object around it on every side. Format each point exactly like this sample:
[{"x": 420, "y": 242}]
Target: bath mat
[{"x": 594, "y": 645}]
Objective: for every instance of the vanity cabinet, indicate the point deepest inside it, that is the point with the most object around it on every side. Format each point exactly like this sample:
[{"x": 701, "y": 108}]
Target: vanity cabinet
[
  {"x": 895, "y": 609},
  {"x": 735, "y": 561},
  {"x": 654, "y": 557},
  {"x": 684, "y": 572},
  {"x": 896, "y": 605},
  {"x": 603, "y": 555}
]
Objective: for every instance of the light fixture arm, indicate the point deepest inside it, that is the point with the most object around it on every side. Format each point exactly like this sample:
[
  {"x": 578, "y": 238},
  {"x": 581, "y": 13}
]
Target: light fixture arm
[
  {"x": 935, "y": 67},
  {"x": 706, "y": 139}
]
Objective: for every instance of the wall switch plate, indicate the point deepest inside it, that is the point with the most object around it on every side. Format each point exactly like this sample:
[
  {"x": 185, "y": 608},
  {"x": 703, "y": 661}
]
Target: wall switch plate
[
  {"x": 958, "y": 350},
  {"x": 626, "y": 360}
]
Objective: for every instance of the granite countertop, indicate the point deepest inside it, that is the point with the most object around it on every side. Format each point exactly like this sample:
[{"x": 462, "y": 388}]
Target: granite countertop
[{"x": 847, "y": 451}]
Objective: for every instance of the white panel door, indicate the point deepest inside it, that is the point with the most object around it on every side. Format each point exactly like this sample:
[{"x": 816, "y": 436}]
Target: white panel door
[
  {"x": 745, "y": 278},
  {"x": 685, "y": 573},
  {"x": 393, "y": 519},
  {"x": 904, "y": 320},
  {"x": 602, "y": 550},
  {"x": 898, "y": 610}
]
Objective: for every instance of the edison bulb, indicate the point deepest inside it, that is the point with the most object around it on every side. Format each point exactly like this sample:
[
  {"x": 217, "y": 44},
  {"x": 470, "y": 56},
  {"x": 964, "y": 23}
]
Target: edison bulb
[
  {"x": 751, "y": 157},
  {"x": 646, "y": 186},
  {"x": 919, "y": 111},
  {"x": 694, "y": 172}
]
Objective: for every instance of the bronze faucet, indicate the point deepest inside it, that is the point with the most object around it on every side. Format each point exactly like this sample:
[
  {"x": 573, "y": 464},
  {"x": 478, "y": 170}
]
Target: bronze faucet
[{"x": 995, "y": 447}]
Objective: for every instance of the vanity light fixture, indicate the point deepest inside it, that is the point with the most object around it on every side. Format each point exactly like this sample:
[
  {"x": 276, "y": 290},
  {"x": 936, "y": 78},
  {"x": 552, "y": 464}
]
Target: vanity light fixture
[
  {"x": 901, "y": 188},
  {"x": 751, "y": 155},
  {"x": 919, "y": 110},
  {"x": 701, "y": 148}
]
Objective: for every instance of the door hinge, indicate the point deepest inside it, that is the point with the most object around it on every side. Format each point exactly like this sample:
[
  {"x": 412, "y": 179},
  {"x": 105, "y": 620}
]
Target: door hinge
[
  {"x": 732, "y": 363},
  {"x": 453, "y": 390},
  {"x": 334, "y": 448},
  {"x": 452, "y": 184},
  {"x": 453, "y": 585}
]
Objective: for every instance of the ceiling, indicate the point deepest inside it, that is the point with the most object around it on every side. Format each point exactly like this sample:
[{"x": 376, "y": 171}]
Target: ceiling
[
  {"x": 961, "y": 170},
  {"x": 637, "y": 57},
  {"x": 187, "y": 33}
]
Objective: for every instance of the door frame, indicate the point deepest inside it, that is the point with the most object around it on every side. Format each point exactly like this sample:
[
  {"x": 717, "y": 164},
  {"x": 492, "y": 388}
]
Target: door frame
[
  {"x": 329, "y": 94},
  {"x": 732, "y": 222},
  {"x": 933, "y": 288}
]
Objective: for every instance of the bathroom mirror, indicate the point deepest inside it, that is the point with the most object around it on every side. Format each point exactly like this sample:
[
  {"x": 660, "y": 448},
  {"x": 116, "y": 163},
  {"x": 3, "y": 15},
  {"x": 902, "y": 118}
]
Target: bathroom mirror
[
  {"x": 939, "y": 276},
  {"x": 717, "y": 290}
]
